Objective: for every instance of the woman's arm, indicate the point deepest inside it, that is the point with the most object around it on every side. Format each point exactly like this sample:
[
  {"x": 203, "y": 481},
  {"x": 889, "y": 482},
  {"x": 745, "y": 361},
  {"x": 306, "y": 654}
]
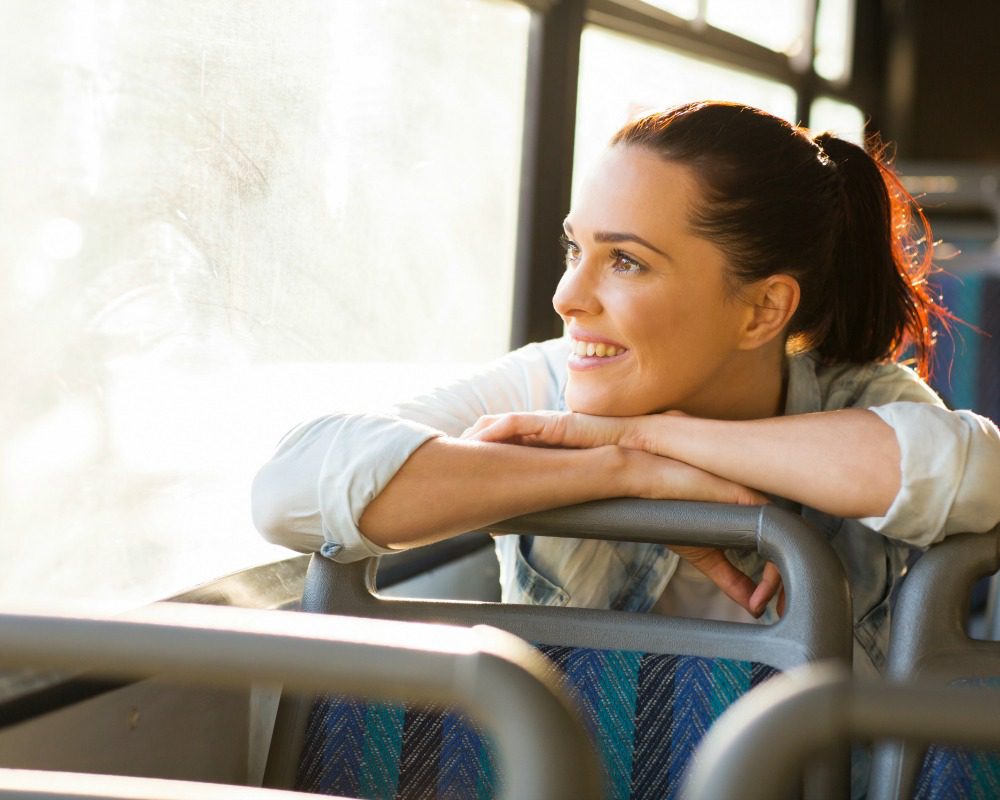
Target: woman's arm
[
  {"x": 450, "y": 485},
  {"x": 912, "y": 470},
  {"x": 314, "y": 490},
  {"x": 358, "y": 485},
  {"x": 453, "y": 485},
  {"x": 845, "y": 463}
]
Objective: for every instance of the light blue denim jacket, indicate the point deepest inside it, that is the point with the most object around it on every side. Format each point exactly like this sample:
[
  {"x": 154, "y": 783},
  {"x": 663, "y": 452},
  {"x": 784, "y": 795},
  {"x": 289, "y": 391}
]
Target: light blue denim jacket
[{"x": 314, "y": 490}]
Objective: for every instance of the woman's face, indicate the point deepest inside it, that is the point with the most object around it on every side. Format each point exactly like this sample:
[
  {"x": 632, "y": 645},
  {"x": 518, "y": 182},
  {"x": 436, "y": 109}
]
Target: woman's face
[{"x": 640, "y": 286}]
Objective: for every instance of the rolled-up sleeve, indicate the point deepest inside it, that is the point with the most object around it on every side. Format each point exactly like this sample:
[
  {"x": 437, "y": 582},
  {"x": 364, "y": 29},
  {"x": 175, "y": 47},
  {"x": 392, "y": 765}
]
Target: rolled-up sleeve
[
  {"x": 312, "y": 493},
  {"x": 949, "y": 473},
  {"x": 310, "y": 496}
]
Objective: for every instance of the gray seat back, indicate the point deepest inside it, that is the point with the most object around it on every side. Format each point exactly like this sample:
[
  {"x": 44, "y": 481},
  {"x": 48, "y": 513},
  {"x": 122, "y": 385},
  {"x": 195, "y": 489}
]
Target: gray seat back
[
  {"x": 816, "y": 624},
  {"x": 930, "y": 643}
]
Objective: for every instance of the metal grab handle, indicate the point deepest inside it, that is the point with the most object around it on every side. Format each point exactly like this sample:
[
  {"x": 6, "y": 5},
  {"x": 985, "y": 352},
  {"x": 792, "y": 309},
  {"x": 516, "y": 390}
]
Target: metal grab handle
[
  {"x": 758, "y": 747},
  {"x": 499, "y": 680},
  {"x": 802, "y": 555},
  {"x": 814, "y": 580},
  {"x": 658, "y": 521}
]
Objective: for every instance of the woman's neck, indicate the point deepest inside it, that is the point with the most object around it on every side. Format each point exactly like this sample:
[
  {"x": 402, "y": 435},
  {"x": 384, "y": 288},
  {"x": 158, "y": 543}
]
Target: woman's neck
[{"x": 755, "y": 387}]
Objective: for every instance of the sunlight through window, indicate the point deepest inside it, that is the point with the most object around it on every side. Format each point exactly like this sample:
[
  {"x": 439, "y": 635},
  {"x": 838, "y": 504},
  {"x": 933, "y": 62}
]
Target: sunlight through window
[
  {"x": 219, "y": 220},
  {"x": 622, "y": 78}
]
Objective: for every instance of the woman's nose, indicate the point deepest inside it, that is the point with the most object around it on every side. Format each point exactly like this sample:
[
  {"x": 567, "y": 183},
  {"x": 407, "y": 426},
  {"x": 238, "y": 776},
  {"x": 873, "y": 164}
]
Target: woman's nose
[{"x": 576, "y": 293}]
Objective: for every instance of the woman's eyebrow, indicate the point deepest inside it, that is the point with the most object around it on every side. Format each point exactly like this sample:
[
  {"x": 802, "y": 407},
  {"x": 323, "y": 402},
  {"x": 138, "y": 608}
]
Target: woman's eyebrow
[{"x": 615, "y": 236}]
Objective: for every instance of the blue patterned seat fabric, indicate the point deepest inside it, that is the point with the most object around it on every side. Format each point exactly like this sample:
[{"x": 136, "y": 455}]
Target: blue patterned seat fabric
[
  {"x": 647, "y": 713},
  {"x": 952, "y": 773}
]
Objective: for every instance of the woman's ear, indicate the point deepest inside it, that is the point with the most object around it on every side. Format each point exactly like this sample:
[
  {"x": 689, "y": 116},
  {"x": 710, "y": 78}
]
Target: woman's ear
[{"x": 773, "y": 302}]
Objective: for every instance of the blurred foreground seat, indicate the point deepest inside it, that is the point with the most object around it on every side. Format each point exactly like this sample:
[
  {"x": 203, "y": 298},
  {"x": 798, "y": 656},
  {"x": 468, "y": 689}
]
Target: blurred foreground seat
[
  {"x": 760, "y": 746},
  {"x": 542, "y": 749}
]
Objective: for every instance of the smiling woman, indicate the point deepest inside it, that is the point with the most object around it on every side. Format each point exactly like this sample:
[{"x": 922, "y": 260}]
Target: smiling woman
[{"x": 736, "y": 294}]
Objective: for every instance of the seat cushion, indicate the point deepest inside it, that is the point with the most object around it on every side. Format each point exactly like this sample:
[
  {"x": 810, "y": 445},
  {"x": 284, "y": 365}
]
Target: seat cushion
[{"x": 646, "y": 712}]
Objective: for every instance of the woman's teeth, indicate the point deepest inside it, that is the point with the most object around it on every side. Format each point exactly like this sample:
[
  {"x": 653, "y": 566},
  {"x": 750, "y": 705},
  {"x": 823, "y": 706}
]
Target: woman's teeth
[{"x": 595, "y": 349}]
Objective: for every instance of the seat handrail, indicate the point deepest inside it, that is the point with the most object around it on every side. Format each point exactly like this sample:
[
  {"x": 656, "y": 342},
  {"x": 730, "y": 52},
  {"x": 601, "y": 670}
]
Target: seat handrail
[
  {"x": 814, "y": 580},
  {"x": 498, "y": 679},
  {"x": 930, "y": 643},
  {"x": 929, "y": 621}
]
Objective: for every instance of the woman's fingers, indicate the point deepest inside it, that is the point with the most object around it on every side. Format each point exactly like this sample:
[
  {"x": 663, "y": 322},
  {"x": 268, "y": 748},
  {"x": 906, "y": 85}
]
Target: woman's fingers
[
  {"x": 712, "y": 563},
  {"x": 737, "y": 586},
  {"x": 505, "y": 427},
  {"x": 769, "y": 586},
  {"x": 547, "y": 429}
]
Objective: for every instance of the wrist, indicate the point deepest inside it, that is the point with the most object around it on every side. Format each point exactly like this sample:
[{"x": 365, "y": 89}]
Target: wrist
[
  {"x": 624, "y": 475},
  {"x": 609, "y": 471},
  {"x": 649, "y": 433}
]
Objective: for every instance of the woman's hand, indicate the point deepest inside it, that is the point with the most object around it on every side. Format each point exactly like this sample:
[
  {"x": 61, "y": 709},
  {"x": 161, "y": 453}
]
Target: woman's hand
[
  {"x": 737, "y": 586},
  {"x": 556, "y": 429},
  {"x": 646, "y": 475},
  {"x": 666, "y": 479}
]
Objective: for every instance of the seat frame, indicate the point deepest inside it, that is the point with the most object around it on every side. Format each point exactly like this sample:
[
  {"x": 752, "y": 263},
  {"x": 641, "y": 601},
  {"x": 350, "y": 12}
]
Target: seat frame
[{"x": 815, "y": 585}]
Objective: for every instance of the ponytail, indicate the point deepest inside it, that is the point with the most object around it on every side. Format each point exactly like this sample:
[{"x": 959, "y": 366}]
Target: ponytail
[
  {"x": 821, "y": 210},
  {"x": 879, "y": 304}
]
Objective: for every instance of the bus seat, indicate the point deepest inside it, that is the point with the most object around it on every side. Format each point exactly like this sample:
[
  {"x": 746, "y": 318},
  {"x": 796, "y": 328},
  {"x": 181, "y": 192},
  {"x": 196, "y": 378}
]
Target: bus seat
[
  {"x": 495, "y": 677},
  {"x": 930, "y": 643},
  {"x": 758, "y": 747},
  {"x": 647, "y": 685}
]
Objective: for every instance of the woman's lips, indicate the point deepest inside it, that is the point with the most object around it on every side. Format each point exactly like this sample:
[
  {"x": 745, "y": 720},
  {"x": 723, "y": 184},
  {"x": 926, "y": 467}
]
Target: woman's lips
[
  {"x": 593, "y": 352},
  {"x": 579, "y": 335}
]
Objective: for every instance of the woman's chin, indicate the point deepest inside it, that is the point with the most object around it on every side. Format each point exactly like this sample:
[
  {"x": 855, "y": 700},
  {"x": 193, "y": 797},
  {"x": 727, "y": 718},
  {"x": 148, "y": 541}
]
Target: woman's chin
[{"x": 597, "y": 406}]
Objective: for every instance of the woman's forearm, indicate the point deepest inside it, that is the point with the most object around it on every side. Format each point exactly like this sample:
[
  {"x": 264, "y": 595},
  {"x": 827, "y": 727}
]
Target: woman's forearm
[
  {"x": 449, "y": 485},
  {"x": 845, "y": 462}
]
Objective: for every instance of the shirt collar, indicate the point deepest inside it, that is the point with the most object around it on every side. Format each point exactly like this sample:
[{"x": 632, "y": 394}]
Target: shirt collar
[{"x": 803, "y": 395}]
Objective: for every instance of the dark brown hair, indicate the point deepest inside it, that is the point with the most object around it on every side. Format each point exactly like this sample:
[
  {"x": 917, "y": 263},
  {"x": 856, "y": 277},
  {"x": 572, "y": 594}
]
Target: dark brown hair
[{"x": 821, "y": 210}]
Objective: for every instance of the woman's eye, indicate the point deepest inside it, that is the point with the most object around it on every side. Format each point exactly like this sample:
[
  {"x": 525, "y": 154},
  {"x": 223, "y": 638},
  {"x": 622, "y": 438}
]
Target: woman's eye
[
  {"x": 625, "y": 264},
  {"x": 571, "y": 251}
]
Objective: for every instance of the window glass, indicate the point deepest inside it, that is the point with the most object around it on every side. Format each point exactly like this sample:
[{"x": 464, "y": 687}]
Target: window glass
[
  {"x": 220, "y": 218},
  {"x": 622, "y": 78},
  {"x": 836, "y": 116},
  {"x": 780, "y": 25},
  {"x": 834, "y": 39},
  {"x": 682, "y": 8}
]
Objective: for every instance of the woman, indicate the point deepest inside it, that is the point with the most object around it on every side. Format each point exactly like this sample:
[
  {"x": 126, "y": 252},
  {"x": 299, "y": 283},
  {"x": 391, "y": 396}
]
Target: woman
[{"x": 735, "y": 294}]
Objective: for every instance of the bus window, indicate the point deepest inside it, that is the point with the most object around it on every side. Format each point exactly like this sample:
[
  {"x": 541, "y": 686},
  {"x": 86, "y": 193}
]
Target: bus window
[
  {"x": 834, "y": 40},
  {"x": 219, "y": 219},
  {"x": 844, "y": 119},
  {"x": 622, "y": 78},
  {"x": 780, "y": 25},
  {"x": 687, "y": 9}
]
